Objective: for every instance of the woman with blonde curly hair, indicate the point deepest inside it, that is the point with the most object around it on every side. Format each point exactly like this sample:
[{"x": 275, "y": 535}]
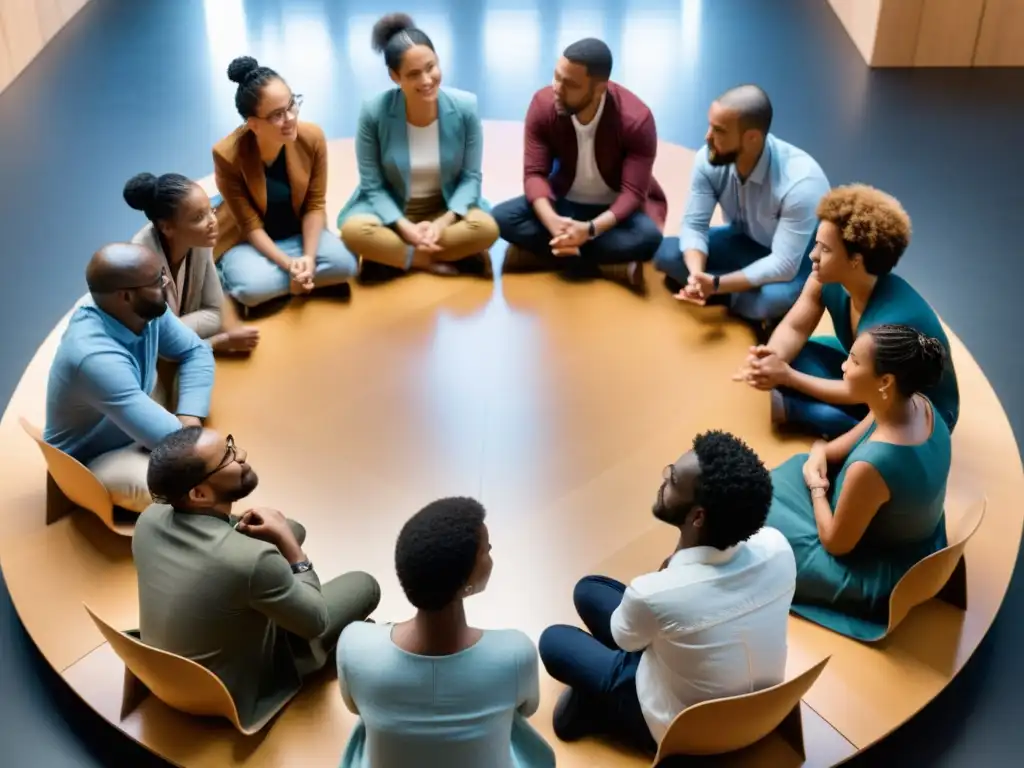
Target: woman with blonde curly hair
[{"x": 862, "y": 234}]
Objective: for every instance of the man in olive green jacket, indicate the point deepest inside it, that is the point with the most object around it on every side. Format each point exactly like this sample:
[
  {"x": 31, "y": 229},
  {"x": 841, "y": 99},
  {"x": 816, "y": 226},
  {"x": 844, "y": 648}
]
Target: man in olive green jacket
[{"x": 235, "y": 594}]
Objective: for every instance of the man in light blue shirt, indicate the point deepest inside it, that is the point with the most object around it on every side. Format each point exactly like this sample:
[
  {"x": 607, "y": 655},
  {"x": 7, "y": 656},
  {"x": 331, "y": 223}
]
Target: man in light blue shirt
[
  {"x": 768, "y": 190},
  {"x": 100, "y": 407}
]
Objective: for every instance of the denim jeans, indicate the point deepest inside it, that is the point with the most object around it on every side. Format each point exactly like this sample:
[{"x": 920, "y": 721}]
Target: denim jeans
[
  {"x": 635, "y": 239},
  {"x": 823, "y": 359},
  {"x": 601, "y": 674},
  {"x": 730, "y": 250},
  {"x": 251, "y": 279}
]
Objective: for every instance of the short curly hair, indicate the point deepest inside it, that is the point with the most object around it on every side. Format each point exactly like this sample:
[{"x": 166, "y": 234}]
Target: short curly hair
[
  {"x": 870, "y": 222},
  {"x": 437, "y": 550},
  {"x": 734, "y": 489}
]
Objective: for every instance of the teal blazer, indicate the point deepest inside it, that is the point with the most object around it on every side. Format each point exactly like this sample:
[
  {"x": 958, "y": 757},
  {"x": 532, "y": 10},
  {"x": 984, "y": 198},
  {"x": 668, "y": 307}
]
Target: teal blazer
[{"x": 382, "y": 153}]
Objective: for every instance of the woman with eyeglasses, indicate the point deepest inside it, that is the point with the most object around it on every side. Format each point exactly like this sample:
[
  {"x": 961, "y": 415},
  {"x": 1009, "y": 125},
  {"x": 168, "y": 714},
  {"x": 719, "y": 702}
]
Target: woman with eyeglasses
[
  {"x": 272, "y": 173},
  {"x": 419, "y": 149},
  {"x": 861, "y": 510},
  {"x": 182, "y": 231}
]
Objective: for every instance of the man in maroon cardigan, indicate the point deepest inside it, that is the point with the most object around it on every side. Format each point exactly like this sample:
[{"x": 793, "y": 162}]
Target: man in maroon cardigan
[{"x": 591, "y": 200}]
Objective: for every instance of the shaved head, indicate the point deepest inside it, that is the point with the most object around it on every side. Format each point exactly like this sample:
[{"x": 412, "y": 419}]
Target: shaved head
[
  {"x": 121, "y": 266},
  {"x": 751, "y": 105}
]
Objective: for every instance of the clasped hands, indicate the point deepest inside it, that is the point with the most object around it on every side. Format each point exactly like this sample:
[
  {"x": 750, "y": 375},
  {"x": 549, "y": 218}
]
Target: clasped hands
[
  {"x": 424, "y": 236},
  {"x": 764, "y": 369},
  {"x": 301, "y": 270},
  {"x": 567, "y": 235},
  {"x": 271, "y": 526},
  {"x": 700, "y": 286},
  {"x": 816, "y": 468}
]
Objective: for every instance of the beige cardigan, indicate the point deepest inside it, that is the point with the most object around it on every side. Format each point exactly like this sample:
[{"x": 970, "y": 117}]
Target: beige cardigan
[{"x": 205, "y": 297}]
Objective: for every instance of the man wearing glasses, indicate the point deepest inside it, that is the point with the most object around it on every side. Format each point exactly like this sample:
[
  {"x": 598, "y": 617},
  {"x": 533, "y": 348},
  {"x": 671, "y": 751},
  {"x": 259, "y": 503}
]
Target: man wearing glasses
[
  {"x": 710, "y": 623},
  {"x": 100, "y": 405},
  {"x": 236, "y": 594}
]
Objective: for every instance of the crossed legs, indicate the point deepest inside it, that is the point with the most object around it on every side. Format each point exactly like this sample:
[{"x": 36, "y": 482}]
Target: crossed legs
[{"x": 602, "y": 698}]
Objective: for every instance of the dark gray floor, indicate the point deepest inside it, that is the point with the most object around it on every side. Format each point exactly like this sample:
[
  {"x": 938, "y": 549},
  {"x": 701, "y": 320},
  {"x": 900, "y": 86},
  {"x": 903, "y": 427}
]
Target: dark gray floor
[{"x": 132, "y": 86}]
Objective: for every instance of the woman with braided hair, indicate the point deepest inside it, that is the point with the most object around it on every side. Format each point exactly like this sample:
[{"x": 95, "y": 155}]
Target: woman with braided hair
[{"x": 860, "y": 510}]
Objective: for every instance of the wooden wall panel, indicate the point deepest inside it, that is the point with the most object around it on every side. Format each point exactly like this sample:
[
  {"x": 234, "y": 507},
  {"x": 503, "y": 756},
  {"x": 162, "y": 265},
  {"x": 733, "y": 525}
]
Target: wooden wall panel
[
  {"x": 26, "y": 26},
  {"x": 896, "y": 41},
  {"x": 1001, "y": 37},
  {"x": 860, "y": 19},
  {"x": 948, "y": 33}
]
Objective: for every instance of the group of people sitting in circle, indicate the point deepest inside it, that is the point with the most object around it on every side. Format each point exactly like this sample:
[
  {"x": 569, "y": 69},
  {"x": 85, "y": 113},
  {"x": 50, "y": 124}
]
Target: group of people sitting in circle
[{"x": 826, "y": 535}]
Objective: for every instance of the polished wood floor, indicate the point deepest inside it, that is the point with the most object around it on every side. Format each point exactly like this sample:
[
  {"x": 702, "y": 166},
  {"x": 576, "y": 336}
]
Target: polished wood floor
[{"x": 554, "y": 403}]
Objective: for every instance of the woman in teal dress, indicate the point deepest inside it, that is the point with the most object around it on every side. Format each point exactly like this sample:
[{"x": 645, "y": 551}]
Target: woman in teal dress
[
  {"x": 433, "y": 691},
  {"x": 862, "y": 234},
  {"x": 860, "y": 510}
]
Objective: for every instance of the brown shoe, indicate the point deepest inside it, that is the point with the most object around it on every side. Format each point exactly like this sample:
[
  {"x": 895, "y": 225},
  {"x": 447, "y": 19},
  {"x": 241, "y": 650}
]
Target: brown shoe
[{"x": 519, "y": 260}]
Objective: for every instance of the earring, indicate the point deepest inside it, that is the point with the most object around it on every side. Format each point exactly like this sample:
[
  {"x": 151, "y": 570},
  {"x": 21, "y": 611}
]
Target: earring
[
  {"x": 468, "y": 590},
  {"x": 885, "y": 395}
]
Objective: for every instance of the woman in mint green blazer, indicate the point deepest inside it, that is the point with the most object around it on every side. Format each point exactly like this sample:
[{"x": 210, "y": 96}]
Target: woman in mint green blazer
[{"x": 419, "y": 149}]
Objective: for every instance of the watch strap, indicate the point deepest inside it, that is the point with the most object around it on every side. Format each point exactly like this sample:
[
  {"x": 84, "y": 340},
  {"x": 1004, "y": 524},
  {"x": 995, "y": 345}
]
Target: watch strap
[
  {"x": 715, "y": 281},
  {"x": 302, "y": 567},
  {"x": 592, "y": 229}
]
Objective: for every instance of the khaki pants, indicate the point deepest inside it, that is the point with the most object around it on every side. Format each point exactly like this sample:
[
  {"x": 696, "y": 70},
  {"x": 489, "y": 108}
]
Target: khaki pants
[
  {"x": 366, "y": 236},
  {"x": 123, "y": 471}
]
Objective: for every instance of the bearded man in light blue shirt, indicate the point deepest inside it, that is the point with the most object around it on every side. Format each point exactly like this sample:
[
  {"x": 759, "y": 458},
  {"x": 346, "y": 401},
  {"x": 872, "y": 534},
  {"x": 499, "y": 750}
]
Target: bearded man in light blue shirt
[
  {"x": 768, "y": 190},
  {"x": 100, "y": 402}
]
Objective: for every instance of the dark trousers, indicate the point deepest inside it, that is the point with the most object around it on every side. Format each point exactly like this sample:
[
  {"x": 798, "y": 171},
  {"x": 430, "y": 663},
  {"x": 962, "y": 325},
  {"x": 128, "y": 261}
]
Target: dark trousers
[
  {"x": 730, "y": 250},
  {"x": 823, "y": 359},
  {"x": 635, "y": 239},
  {"x": 601, "y": 675}
]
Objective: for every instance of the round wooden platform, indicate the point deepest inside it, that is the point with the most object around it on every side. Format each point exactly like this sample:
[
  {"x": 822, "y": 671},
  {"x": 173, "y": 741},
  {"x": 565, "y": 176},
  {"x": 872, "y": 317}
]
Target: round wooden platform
[{"x": 557, "y": 405}]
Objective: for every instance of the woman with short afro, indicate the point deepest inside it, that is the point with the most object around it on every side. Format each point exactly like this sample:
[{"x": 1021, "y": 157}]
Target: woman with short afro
[
  {"x": 432, "y": 690},
  {"x": 861, "y": 236}
]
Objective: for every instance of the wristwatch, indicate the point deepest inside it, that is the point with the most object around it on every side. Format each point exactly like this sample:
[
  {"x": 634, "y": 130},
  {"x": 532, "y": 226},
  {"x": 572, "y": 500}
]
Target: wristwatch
[
  {"x": 818, "y": 492},
  {"x": 302, "y": 567},
  {"x": 591, "y": 229},
  {"x": 715, "y": 281}
]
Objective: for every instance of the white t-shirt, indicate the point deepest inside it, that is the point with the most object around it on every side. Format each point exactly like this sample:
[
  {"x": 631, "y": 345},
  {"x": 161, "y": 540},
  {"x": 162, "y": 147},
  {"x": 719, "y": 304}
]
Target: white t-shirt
[
  {"x": 712, "y": 624},
  {"x": 424, "y": 161},
  {"x": 588, "y": 188}
]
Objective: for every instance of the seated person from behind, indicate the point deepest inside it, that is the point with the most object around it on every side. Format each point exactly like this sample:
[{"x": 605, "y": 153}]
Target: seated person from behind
[
  {"x": 433, "y": 691},
  {"x": 182, "y": 232},
  {"x": 235, "y": 594},
  {"x": 99, "y": 407},
  {"x": 710, "y": 623},
  {"x": 768, "y": 190},
  {"x": 862, "y": 235},
  {"x": 419, "y": 149},
  {"x": 272, "y": 173},
  {"x": 861, "y": 510},
  {"x": 591, "y": 197}
]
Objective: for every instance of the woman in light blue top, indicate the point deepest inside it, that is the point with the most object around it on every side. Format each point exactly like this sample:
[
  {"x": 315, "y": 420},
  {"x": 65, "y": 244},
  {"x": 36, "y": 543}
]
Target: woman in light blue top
[
  {"x": 419, "y": 149},
  {"x": 433, "y": 691}
]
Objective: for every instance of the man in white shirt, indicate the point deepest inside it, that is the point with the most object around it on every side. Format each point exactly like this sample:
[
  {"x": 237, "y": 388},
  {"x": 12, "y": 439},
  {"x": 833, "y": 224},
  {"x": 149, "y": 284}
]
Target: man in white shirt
[{"x": 710, "y": 623}]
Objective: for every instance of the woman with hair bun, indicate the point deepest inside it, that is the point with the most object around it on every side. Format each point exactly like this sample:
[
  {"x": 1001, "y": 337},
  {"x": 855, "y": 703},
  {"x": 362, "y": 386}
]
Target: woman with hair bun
[
  {"x": 419, "y": 148},
  {"x": 432, "y": 690},
  {"x": 182, "y": 231},
  {"x": 861, "y": 510},
  {"x": 272, "y": 173}
]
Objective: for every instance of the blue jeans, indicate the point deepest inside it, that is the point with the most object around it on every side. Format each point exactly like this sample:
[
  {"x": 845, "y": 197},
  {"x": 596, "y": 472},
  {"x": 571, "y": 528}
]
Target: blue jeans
[
  {"x": 635, "y": 239},
  {"x": 602, "y": 675},
  {"x": 729, "y": 250},
  {"x": 823, "y": 359},
  {"x": 251, "y": 279}
]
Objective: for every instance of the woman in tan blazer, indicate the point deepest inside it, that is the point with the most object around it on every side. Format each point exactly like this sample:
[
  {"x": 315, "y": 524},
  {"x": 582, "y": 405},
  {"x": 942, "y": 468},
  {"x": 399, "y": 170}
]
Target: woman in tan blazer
[
  {"x": 182, "y": 231},
  {"x": 272, "y": 173}
]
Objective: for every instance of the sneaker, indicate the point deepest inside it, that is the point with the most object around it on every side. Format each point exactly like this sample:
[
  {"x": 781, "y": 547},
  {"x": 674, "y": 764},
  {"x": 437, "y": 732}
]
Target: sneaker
[{"x": 567, "y": 720}]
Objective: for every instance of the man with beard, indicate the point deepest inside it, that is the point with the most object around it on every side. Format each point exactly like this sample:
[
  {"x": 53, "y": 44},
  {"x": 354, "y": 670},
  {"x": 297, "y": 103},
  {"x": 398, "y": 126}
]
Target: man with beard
[
  {"x": 591, "y": 200},
  {"x": 100, "y": 402},
  {"x": 768, "y": 190},
  {"x": 234, "y": 593},
  {"x": 710, "y": 623}
]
